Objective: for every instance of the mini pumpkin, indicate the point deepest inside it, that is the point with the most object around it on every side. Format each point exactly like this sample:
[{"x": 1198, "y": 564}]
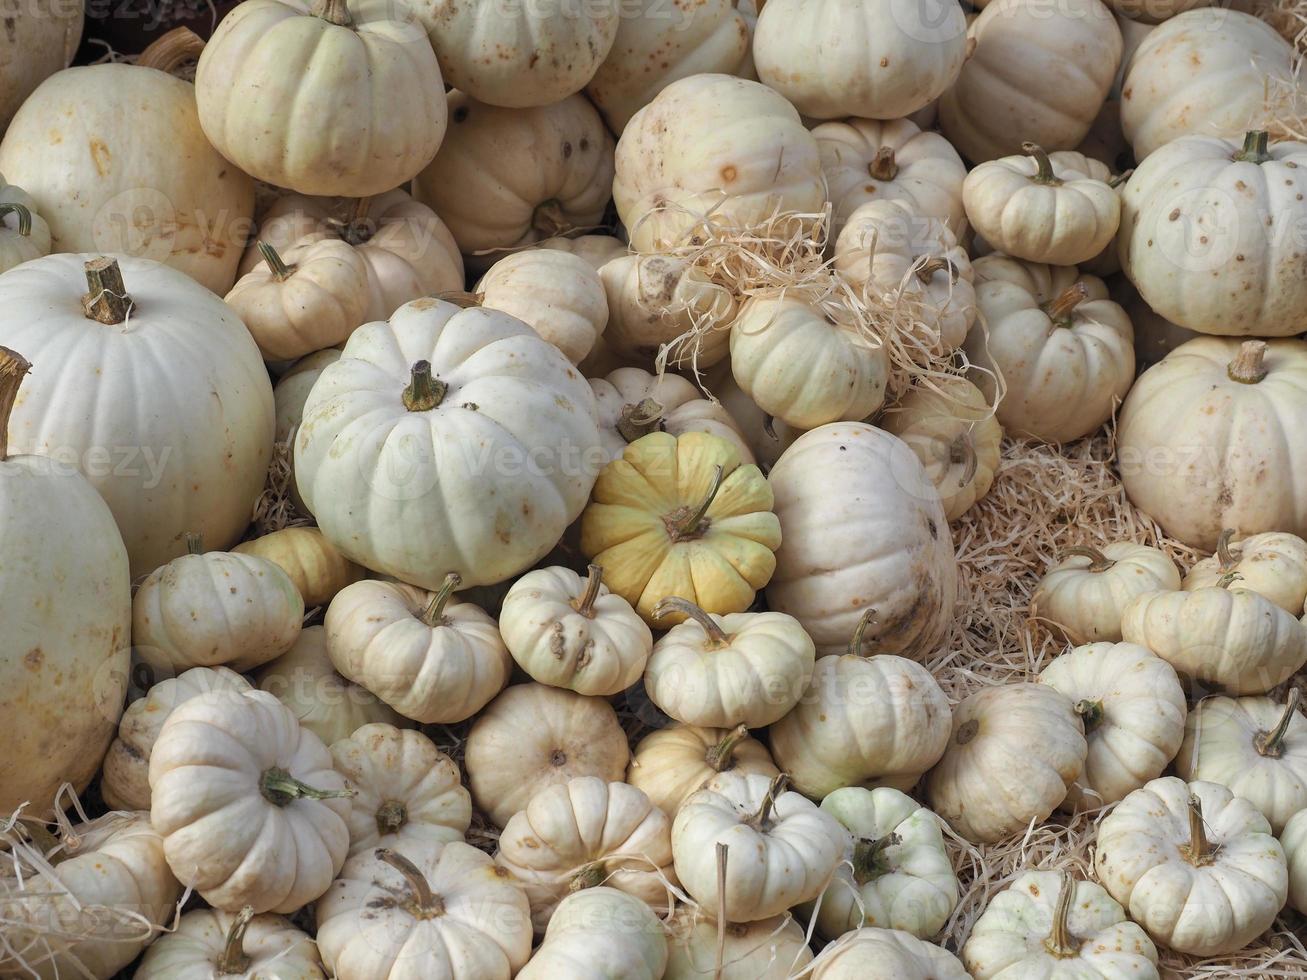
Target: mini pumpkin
[
  {"x": 1085, "y": 594},
  {"x": 1272, "y": 564},
  {"x": 208, "y": 944},
  {"x": 632, "y": 403},
  {"x": 24, "y": 234},
  {"x": 556, "y": 294},
  {"x": 1294, "y": 840},
  {"x": 600, "y": 933},
  {"x": 670, "y": 764},
  {"x": 313, "y": 564},
  {"x": 886, "y": 954},
  {"x": 769, "y": 949}
]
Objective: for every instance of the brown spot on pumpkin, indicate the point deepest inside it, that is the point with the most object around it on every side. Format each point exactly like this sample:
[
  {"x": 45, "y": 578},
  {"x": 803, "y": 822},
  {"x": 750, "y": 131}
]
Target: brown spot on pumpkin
[
  {"x": 1034, "y": 889},
  {"x": 501, "y": 872},
  {"x": 567, "y": 149},
  {"x": 557, "y": 758},
  {"x": 884, "y": 62},
  {"x": 729, "y": 173},
  {"x": 33, "y": 658},
  {"x": 100, "y": 156},
  {"x": 1174, "y": 215}
]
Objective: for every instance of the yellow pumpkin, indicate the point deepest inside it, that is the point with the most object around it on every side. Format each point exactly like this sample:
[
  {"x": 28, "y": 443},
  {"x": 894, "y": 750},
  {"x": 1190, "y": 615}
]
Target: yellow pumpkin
[{"x": 318, "y": 570}]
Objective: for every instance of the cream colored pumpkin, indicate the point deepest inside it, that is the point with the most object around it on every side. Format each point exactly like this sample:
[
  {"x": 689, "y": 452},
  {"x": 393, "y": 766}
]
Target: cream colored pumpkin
[
  {"x": 597, "y": 250},
  {"x": 886, "y": 954},
  {"x": 1224, "y": 637},
  {"x": 406, "y": 791},
  {"x": 769, "y": 949},
  {"x": 900, "y": 562},
  {"x": 743, "y": 669},
  {"x": 430, "y": 910},
  {"x": 1085, "y": 594},
  {"x": 1294, "y": 840},
  {"x": 293, "y": 388},
  {"x": 24, "y": 234},
  {"x": 510, "y": 177},
  {"x": 208, "y": 944},
  {"x": 250, "y": 810},
  {"x": 1133, "y": 709},
  {"x": 1193, "y": 864},
  {"x": 955, "y": 436},
  {"x": 713, "y": 148},
  {"x": 1015, "y": 752},
  {"x": 1049, "y": 95},
  {"x": 431, "y": 659},
  {"x": 1064, "y": 350},
  {"x": 125, "y": 776},
  {"x": 766, "y": 437},
  {"x": 532, "y": 737},
  {"x": 670, "y": 764},
  {"x": 313, "y": 564},
  {"x": 632, "y": 403},
  {"x": 1273, "y": 564},
  {"x": 597, "y": 934},
  {"x": 556, "y": 294},
  {"x": 41, "y": 41}
]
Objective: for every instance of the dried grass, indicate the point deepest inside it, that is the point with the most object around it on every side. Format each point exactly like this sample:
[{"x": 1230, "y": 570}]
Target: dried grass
[
  {"x": 275, "y": 509},
  {"x": 1288, "y": 17}
]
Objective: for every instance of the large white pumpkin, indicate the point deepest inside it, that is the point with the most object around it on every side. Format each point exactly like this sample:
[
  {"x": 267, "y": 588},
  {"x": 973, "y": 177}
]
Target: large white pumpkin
[{"x": 38, "y": 41}]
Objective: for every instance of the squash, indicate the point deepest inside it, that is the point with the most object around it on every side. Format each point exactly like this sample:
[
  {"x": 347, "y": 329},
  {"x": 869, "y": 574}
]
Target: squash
[
  {"x": 41, "y": 42},
  {"x": 1193, "y": 864},
  {"x": 215, "y": 609},
  {"x": 1064, "y": 350},
  {"x": 24, "y": 234},
  {"x": 532, "y": 737},
  {"x": 1013, "y": 756},
  {"x": 868, "y": 160},
  {"x": 1085, "y": 594},
  {"x": 1223, "y": 637},
  {"x": 287, "y": 91},
  {"x": 744, "y": 669},
  {"x": 208, "y": 944},
  {"x": 558, "y": 295},
  {"x": 899, "y": 561},
  {"x": 406, "y": 791},
  {"x": 769, "y": 949},
  {"x": 505, "y": 178},
  {"x": 632, "y": 403},
  {"x": 1273, "y": 564},
  {"x": 872, "y": 58},
  {"x": 125, "y": 776},
  {"x": 1256, "y": 747},
  {"x": 955, "y": 436},
  {"x": 1047, "y": 924},
  {"x": 176, "y": 431},
  {"x": 600, "y": 933},
  {"x": 431, "y": 659},
  {"x": 1133, "y": 710},
  {"x": 437, "y": 911},
  {"x": 1048, "y": 94},
  {"x": 292, "y": 391},
  {"x": 1199, "y": 234},
  {"x": 863, "y": 721},
  {"x": 596, "y": 250},
  {"x": 895, "y": 874},
  {"x": 780, "y": 849},
  {"x": 682, "y": 516},
  {"x": 114, "y": 158},
  {"x": 886, "y": 954},
  {"x": 670, "y": 764},
  {"x": 713, "y": 150},
  {"x": 1292, "y": 839},
  {"x": 1183, "y": 414},
  {"x": 584, "y": 833},
  {"x": 313, "y": 564},
  {"x": 433, "y": 377},
  {"x": 1059, "y": 208}
]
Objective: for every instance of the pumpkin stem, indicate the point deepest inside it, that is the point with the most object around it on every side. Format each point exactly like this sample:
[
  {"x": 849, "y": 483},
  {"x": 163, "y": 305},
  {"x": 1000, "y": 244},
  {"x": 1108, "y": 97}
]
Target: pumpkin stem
[
  {"x": 1225, "y": 558},
  {"x": 936, "y": 263},
  {"x": 434, "y": 614},
  {"x": 280, "y": 788},
  {"x": 594, "y": 578},
  {"x": 1116, "y": 180},
  {"x": 769, "y": 428},
  {"x": 779, "y": 784},
  {"x": 1060, "y": 943},
  {"x": 856, "y": 641},
  {"x": 1199, "y": 850},
  {"x": 280, "y": 270},
  {"x": 107, "y": 300},
  {"x": 1255, "y": 145},
  {"x": 548, "y": 218},
  {"x": 590, "y": 876},
  {"x": 1044, "y": 167},
  {"x": 1060, "y": 308},
  {"x": 461, "y": 298},
  {"x": 692, "y": 525},
  {"x": 234, "y": 959},
  {"x": 13, "y": 368},
  {"x": 719, "y": 757},
  {"x": 1228, "y": 579},
  {"x": 869, "y": 857},
  {"x": 1098, "y": 562},
  {"x": 333, "y": 12},
  {"x": 962, "y": 452},
  {"x": 426, "y": 904},
  {"x": 640, "y": 419},
  {"x": 170, "y": 51},
  {"x": 716, "y": 635},
  {"x": 723, "y": 855},
  {"x": 357, "y": 228},
  {"x": 1249, "y": 365},
  {"x": 882, "y": 166},
  {"x": 24, "y": 216},
  {"x": 1271, "y": 744},
  {"x": 194, "y": 543},
  {"x": 424, "y": 392},
  {"x": 392, "y": 815},
  {"x": 1090, "y": 712}
]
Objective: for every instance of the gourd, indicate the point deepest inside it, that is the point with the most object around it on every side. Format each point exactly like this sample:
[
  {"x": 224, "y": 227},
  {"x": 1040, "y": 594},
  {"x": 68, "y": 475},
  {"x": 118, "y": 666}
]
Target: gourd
[
  {"x": 632, "y": 403},
  {"x": 430, "y": 658},
  {"x": 1049, "y": 95},
  {"x": 670, "y": 764},
  {"x": 1064, "y": 350},
  {"x": 1193, "y": 864},
  {"x": 781, "y": 850},
  {"x": 65, "y": 599},
  {"x": 852, "y": 475},
  {"x": 1292, "y": 839},
  {"x": 41, "y": 42},
  {"x": 895, "y": 873},
  {"x": 312, "y": 563},
  {"x": 125, "y": 776},
  {"x": 1180, "y": 416},
  {"x": 505, "y": 178},
  {"x": 886, "y": 954},
  {"x": 713, "y": 145},
  {"x": 743, "y": 669},
  {"x": 1085, "y": 594},
  {"x": 584, "y": 833},
  {"x": 115, "y": 160},
  {"x": 437, "y": 911},
  {"x": 1200, "y": 234},
  {"x": 532, "y": 737},
  {"x": 208, "y": 944},
  {"x": 195, "y": 441},
  {"x": 871, "y": 58},
  {"x": 215, "y": 609},
  {"x": 1256, "y": 747},
  {"x": 1060, "y": 208},
  {"x": 406, "y": 791},
  {"x": 439, "y": 376},
  {"x": 769, "y": 949},
  {"x": 955, "y": 436},
  {"x": 556, "y": 294},
  {"x": 1048, "y": 924},
  {"x": 682, "y": 516},
  {"x": 24, "y": 234},
  {"x": 1133, "y": 710},
  {"x": 1013, "y": 756},
  {"x": 1223, "y": 637},
  {"x": 868, "y": 160},
  {"x": 600, "y": 933},
  {"x": 287, "y": 90},
  {"x": 1273, "y": 564}
]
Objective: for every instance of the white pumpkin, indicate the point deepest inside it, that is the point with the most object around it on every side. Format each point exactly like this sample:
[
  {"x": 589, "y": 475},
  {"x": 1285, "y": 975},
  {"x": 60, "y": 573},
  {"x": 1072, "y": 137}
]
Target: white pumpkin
[
  {"x": 1133, "y": 709},
  {"x": 557, "y": 295},
  {"x": 766, "y": 437},
  {"x": 670, "y": 764},
  {"x": 208, "y": 944},
  {"x": 24, "y": 234},
  {"x": 293, "y": 388},
  {"x": 632, "y": 403},
  {"x": 598, "y": 934},
  {"x": 480, "y": 446},
  {"x": 1273, "y": 564},
  {"x": 1086, "y": 592},
  {"x": 40, "y": 43},
  {"x": 1193, "y": 864},
  {"x": 886, "y": 954},
  {"x": 1294, "y": 840},
  {"x": 769, "y": 949},
  {"x": 597, "y": 250}
]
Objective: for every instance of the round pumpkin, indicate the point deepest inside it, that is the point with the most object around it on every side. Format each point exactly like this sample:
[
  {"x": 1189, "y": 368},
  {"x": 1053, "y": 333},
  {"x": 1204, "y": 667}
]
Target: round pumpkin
[
  {"x": 1294, "y": 840},
  {"x": 670, "y": 764},
  {"x": 886, "y": 954},
  {"x": 596, "y": 250},
  {"x": 313, "y": 564},
  {"x": 556, "y": 294},
  {"x": 24, "y": 234},
  {"x": 632, "y": 403},
  {"x": 1273, "y": 564},
  {"x": 1085, "y": 594},
  {"x": 41, "y": 41},
  {"x": 292, "y": 391},
  {"x": 209, "y": 944},
  {"x": 769, "y": 949},
  {"x": 600, "y": 933}
]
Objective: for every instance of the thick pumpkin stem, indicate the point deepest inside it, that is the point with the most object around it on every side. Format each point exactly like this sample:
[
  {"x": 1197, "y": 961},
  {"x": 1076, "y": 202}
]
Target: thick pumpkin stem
[
  {"x": 640, "y": 419},
  {"x": 1199, "y": 850},
  {"x": 716, "y": 635},
  {"x": 106, "y": 299},
  {"x": 392, "y": 815},
  {"x": 234, "y": 959},
  {"x": 693, "y": 525},
  {"x": 280, "y": 788},
  {"x": 280, "y": 270},
  {"x": 1249, "y": 365},
  {"x": 13, "y": 368},
  {"x": 882, "y": 166},
  {"x": 594, "y": 578},
  {"x": 434, "y": 614},
  {"x": 869, "y": 857},
  {"x": 1044, "y": 167},
  {"x": 778, "y": 786},
  {"x": 426, "y": 904},
  {"x": 1255, "y": 146},
  {"x": 172, "y": 50},
  {"x": 333, "y": 12},
  {"x": 1098, "y": 562},
  {"x": 1225, "y": 558},
  {"x": 1271, "y": 744},
  {"x": 1090, "y": 712},
  {"x": 549, "y": 220},
  {"x": 424, "y": 392},
  {"x": 936, "y": 263},
  {"x": 194, "y": 543},
  {"x": 719, "y": 757},
  {"x": 1060, "y": 943},
  {"x": 590, "y": 876},
  {"x": 24, "y": 216},
  {"x": 1059, "y": 309},
  {"x": 859, "y": 632}
]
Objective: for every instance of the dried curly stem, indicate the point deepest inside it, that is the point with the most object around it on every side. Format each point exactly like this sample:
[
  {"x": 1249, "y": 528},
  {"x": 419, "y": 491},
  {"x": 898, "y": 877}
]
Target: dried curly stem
[
  {"x": 280, "y": 788},
  {"x": 719, "y": 756},
  {"x": 276, "y": 264},
  {"x": 1098, "y": 562},
  {"x": 333, "y": 12},
  {"x": 425, "y": 902},
  {"x": 1060, "y": 308},
  {"x": 1225, "y": 558},
  {"x": 170, "y": 51},
  {"x": 716, "y": 635},
  {"x": 234, "y": 959},
  {"x": 434, "y": 614},
  {"x": 691, "y": 525},
  {"x": 859, "y": 632},
  {"x": 1271, "y": 744},
  {"x": 1044, "y": 167},
  {"x": 1060, "y": 943},
  {"x": 779, "y": 784},
  {"x": 594, "y": 579},
  {"x": 24, "y": 216}
]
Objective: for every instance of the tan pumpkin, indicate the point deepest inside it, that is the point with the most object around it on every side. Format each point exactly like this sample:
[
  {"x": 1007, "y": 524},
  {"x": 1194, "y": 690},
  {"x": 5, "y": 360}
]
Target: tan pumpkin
[
  {"x": 557, "y": 295},
  {"x": 209, "y": 943},
  {"x": 886, "y": 954},
  {"x": 1273, "y": 564},
  {"x": 40, "y": 43},
  {"x": 597, "y": 250},
  {"x": 314, "y": 565},
  {"x": 670, "y": 764},
  {"x": 632, "y": 403},
  {"x": 600, "y": 933},
  {"x": 24, "y": 234},
  {"x": 769, "y": 949},
  {"x": 1085, "y": 594}
]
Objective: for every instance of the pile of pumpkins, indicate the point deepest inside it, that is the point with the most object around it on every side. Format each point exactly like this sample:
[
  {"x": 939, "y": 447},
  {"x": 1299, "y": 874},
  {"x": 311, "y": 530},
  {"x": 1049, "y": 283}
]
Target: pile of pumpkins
[{"x": 542, "y": 475}]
